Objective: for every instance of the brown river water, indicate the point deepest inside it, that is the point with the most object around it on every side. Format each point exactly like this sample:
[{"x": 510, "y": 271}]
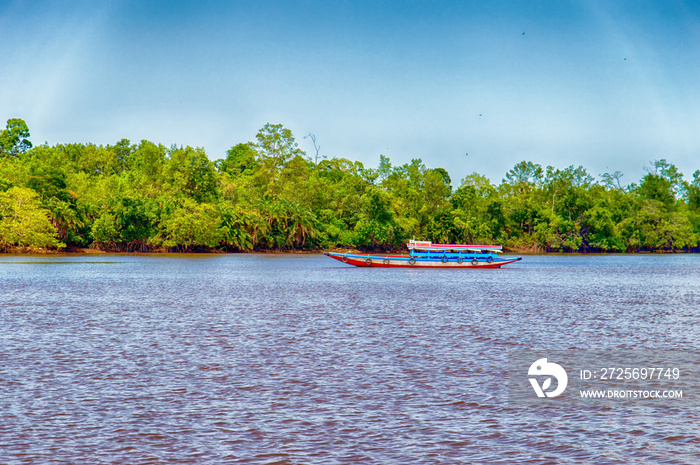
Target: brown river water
[{"x": 300, "y": 359}]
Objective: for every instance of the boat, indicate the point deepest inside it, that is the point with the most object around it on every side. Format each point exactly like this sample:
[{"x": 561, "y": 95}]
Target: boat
[{"x": 425, "y": 254}]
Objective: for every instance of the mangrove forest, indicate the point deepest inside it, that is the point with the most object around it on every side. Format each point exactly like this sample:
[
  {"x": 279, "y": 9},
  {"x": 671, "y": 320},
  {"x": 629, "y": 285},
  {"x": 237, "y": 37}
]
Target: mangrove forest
[{"x": 268, "y": 195}]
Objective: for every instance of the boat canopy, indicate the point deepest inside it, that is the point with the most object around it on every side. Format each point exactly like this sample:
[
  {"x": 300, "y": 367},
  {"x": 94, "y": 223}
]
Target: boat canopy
[{"x": 430, "y": 247}]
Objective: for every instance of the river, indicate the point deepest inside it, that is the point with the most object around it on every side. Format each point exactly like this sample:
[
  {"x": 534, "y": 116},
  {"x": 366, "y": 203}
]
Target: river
[{"x": 291, "y": 359}]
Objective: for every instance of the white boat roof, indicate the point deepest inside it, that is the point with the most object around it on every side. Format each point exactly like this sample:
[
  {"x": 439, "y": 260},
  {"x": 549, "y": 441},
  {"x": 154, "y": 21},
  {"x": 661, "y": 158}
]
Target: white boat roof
[{"x": 427, "y": 245}]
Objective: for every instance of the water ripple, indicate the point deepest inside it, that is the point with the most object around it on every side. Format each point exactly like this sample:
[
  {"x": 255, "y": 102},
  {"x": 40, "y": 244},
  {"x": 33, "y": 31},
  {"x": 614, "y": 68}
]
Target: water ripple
[{"x": 281, "y": 359}]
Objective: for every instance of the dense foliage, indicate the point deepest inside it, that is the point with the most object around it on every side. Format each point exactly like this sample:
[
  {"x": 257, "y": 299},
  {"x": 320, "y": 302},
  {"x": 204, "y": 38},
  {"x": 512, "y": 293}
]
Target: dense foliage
[{"x": 268, "y": 195}]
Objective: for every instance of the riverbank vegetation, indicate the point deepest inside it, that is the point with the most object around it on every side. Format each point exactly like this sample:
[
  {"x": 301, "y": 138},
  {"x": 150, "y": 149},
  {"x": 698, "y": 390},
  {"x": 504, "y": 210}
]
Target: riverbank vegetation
[{"x": 270, "y": 195}]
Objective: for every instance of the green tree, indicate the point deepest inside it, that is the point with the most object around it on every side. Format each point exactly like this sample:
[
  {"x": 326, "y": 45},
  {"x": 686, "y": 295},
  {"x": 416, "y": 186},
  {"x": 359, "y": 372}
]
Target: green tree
[
  {"x": 239, "y": 159},
  {"x": 276, "y": 145},
  {"x": 146, "y": 165},
  {"x": 384, "y": 169},
  {"x": 239, "y": 227},
  {"x": 191, "y": 225},
  {"x": 612, "y": 181},
  {"x": 190, "y": 172},
  {"x": 664, "y": 182},
  {"x": 376, "y": 227},
  {"x": 122, "y": 152},
  {"x": 524, "y": 175},
  {"x": 24, "y": 222},
  {"x": 105, "y": 230},
  {"x": 477, "y": 215},
  {"x": 693, "y": 190},
  {"x": 126, "y": 224},
  {"x": 49, "y": 169},
  {"x": 655, "y": 187},
  {"x": 335, "y": 190},
  {"x": 15, "y": 138}
]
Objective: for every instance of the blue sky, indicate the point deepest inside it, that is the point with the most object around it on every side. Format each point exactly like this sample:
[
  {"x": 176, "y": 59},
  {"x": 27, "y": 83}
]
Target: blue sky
[{"x": 610, "y": 85}]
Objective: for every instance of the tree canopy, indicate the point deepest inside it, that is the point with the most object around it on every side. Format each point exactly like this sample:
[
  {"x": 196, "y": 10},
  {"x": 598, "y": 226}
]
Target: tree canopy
[{"x": 269, "y": 195}]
